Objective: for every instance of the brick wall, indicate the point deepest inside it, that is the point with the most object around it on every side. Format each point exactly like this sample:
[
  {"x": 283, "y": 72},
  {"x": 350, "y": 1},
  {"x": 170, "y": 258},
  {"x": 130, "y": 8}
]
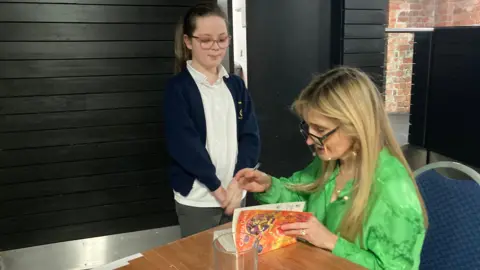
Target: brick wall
[
  {"x": 457, "y": 12},
  {"x": 417, "y": 13},
  {"x": 399, "y": 72}
]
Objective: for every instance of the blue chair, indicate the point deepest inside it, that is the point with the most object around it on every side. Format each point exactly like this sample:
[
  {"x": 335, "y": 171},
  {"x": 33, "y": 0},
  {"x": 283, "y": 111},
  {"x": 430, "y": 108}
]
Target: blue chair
[{"x": 453, "y": 206}]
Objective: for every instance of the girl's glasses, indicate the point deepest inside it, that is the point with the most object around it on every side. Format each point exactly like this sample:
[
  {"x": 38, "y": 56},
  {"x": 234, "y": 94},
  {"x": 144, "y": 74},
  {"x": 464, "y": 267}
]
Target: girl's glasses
[
  {"x": 304, "y": 129},
  {"x": 206, "y": 43}
]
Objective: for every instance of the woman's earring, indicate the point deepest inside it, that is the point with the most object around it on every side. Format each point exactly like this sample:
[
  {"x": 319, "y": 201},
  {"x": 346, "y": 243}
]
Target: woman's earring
[{"x": 354, "y": 153}]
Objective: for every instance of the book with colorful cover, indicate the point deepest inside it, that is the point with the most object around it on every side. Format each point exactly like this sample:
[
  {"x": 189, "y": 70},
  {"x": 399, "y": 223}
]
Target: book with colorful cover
[
  {"x": 289, "y": 206},
  {"x": 231, "y": 246},
  {"x": 264, "y": 227}
]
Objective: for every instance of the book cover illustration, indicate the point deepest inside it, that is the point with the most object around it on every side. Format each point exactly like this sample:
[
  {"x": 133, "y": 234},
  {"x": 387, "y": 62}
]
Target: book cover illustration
[
  {"x": 290, "y": 206},
  {"x": 264, "y": 226}
]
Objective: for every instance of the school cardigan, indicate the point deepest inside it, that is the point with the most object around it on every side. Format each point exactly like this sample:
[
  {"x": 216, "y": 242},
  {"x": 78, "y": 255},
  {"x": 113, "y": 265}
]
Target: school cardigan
[
  {"x": 222, "y": 143},
  {"x": 186, "y": 133}
]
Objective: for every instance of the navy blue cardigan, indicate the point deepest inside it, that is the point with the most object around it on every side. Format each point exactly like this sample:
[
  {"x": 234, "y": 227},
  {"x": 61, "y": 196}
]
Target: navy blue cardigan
[{"x": 186, "y": 133}]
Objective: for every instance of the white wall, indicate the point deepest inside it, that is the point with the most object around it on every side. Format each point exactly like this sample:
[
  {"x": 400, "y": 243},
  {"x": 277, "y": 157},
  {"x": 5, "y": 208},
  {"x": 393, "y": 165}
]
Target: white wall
[
  {"x": 223, "y": 4},
  {"x": 240, "y": 35}
]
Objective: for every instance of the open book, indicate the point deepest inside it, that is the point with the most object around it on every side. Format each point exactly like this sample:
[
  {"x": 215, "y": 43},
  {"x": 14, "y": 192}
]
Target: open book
[{"x": 262, "y": 223}]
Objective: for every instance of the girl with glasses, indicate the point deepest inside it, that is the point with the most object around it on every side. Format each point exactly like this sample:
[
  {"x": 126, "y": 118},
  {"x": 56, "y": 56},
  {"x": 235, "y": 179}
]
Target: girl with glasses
[
  {"x": 359, "y": 187},
  {"x": 210, "y": 124}
]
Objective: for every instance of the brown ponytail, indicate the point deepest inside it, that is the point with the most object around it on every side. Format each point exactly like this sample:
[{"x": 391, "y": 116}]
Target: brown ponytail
[
  {"x": 187, "y": 26},
  {"x": 182, "y": 53}
]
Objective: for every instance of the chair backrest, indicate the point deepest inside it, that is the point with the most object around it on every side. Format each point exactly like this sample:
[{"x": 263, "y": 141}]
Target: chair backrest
[{"x": 453, "y": 207}]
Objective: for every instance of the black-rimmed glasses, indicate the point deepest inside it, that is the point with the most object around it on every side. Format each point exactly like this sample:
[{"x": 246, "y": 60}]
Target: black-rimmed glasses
[
  {"x": 304, "y": 129},
  {"x": 207, "y": 43}
]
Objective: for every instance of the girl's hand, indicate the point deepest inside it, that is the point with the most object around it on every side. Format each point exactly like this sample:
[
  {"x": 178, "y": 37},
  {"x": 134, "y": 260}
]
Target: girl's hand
[
  {"x": 253, "y": 180},
  {"x": 313, "y": 231},
  {"x": 234, "y": 197},
  {"x": 221, "y": 196}
]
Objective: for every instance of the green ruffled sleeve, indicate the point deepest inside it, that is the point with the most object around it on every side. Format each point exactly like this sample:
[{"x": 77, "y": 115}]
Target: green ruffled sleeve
[
  {"x": 394, "y": 232},
  {"x": 280, "y": 193}
]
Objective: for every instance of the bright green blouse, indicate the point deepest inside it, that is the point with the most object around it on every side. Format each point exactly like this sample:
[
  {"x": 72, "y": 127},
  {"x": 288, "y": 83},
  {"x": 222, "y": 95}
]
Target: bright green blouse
[{"x": 393, "y": 231}]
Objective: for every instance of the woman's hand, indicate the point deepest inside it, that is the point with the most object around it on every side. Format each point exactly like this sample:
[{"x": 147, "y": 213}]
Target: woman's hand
[
  {"x": 313, "y": 231},
  {"x": 253, "y": 180}
]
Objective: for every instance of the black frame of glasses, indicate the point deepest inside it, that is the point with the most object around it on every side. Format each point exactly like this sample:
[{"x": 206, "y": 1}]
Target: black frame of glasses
[{"x": 316, "y": 139}]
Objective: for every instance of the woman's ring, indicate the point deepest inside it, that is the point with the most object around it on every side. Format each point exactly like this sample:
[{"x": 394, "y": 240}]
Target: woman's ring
[{"x": 303, "y": 232}]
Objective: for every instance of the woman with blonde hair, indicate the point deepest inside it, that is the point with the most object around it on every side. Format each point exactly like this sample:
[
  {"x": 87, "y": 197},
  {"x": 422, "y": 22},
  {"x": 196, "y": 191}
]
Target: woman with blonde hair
[{"x": 359, "y": 187}]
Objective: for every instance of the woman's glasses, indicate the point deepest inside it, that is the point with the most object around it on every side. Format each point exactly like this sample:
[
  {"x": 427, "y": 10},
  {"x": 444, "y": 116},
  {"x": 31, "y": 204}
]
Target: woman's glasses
[
  {"x": 206, "y": 43},
  {"x": 304, "y": 129}
]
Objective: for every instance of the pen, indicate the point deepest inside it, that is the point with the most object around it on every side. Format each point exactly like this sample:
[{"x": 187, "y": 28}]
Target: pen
[{"x": 257, "y": 166}]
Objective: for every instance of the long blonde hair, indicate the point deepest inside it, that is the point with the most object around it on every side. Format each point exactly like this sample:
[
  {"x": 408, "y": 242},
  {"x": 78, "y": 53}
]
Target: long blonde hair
[{"x": 349, "y": 97}]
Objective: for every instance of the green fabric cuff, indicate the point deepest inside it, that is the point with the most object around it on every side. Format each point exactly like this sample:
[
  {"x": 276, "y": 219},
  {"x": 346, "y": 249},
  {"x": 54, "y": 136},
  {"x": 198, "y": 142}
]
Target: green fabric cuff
[
  {"x": 270, "y": 194},
  {"x": 344, "y": 248}
]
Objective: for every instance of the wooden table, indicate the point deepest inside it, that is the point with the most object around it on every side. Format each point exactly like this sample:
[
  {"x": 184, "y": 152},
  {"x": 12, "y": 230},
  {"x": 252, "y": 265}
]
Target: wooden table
[{"x": 196, "y": 252}]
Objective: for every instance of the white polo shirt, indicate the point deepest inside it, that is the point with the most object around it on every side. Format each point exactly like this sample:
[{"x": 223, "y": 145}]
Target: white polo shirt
[{"x": 221, "y": 143}]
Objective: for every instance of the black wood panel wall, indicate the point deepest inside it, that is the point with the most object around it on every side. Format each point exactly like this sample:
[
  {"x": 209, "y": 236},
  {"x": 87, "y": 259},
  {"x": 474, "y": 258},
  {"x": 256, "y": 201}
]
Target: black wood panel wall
[
  {"x": 81, "y": 139},
  {"x": 285, "y": 49},
  {"x": 422, "y": 54},
  {"x": 452, "y": 114},
  {"x": 358, "y": 36}
]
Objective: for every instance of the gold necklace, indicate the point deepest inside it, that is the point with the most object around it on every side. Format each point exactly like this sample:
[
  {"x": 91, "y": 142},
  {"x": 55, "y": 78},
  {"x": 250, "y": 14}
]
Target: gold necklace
[
  {"x": 339, "y": 190},
  {"x": 345, "y": 198}
]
